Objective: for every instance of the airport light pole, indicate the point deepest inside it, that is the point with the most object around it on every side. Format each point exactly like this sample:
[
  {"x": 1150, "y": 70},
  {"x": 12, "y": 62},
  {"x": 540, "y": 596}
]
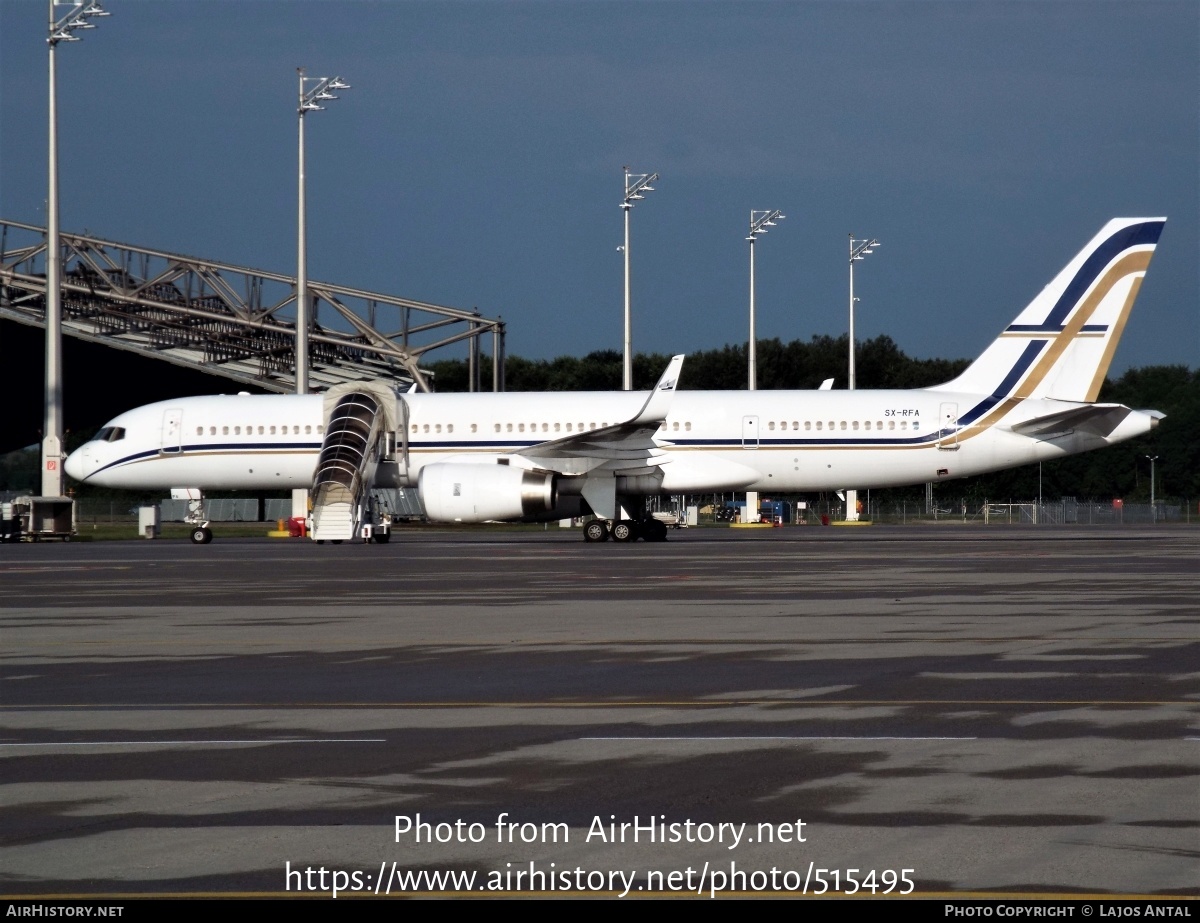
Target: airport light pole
[
  {"x": 760, "y": 223},
  {"x": 859, "y": 250},
  {"x": 313, "y": 92},
  {"x": 1153, "y": 508},
  {"x": 635, "y": 185},
  {"x": 62, "y": 29}
]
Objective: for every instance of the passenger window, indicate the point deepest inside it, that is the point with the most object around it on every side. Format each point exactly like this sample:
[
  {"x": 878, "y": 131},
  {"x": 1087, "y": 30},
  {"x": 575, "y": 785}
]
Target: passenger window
[
  {"x": 771, "y": 425},
  {"x": 414, "y": 427},
  {"x": 224, "y": 430},
  {"x": 237, "y": 430},
  {"x": 426, "y": 427},
  {"x": 521, "y": 427},
  {"x": 807, "y": 425},
  {"x": 687, "y": 426},
  {"x": 199, "y": 430},
  {"x": 320, "y": 427},
  {"x": 212, "y": 430},
  {"x": 474, "y": 428},
  {"x": 509, "y": 427},
  {"x": 853, "y": 426},
  {"x": 819, "y": 425},
  {"x": 843, "y": 424},
  {"x": 437, "y": 427},
  {"x": 557, "y": 427},
  {"x": 545, "y": 427}
]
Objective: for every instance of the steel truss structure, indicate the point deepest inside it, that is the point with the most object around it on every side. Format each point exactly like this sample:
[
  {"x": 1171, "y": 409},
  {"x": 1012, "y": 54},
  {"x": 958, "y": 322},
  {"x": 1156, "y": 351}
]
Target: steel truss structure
[{"x": 231, "y": 320}]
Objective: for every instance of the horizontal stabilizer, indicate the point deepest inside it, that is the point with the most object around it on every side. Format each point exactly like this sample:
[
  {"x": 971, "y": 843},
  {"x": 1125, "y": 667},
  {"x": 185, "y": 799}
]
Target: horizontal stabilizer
[{"x": 1097, "y": 419}]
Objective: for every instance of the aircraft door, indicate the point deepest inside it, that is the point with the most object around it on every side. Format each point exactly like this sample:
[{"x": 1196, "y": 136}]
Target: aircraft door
[
  {"x": 750, "y": 432},
  {"x": 948, "y": 426},
  {"x": 172, "y": 431},
  {"x": 402, "y": 426}
]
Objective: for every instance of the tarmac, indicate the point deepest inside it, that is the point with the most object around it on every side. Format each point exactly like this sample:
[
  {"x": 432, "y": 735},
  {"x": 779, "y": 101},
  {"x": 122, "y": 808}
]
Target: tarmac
[{"x": 934, "y": 711}]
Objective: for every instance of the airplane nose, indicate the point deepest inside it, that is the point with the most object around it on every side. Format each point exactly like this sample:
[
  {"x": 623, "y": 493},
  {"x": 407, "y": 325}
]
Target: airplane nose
[{"x": 77, "y": 464}]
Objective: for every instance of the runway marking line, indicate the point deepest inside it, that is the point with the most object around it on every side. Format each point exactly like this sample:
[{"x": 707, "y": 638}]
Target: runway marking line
[
  {"x": 766, "y": 737},
  {"x": 200, "y": 743},
  {"x": 812, "y": 703}
]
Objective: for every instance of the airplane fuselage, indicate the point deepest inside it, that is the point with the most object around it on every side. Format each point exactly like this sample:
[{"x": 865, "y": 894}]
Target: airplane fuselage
[{"x": 714, "y": 440}]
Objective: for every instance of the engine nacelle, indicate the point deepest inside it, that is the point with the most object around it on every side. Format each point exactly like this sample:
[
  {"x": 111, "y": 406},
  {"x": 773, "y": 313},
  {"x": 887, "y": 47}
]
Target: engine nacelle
[{"x": 480, "y": 493}]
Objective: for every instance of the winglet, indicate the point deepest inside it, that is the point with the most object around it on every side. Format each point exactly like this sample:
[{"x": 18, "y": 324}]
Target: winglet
[{"x": 659, "y": 402}]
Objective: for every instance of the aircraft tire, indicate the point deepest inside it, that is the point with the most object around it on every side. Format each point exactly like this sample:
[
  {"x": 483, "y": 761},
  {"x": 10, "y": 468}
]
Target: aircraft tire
[
  {"x": 381, "y": 538},
  {"x": 201, "y": 535},
  {"x": 623, "y": 531},
  {"x": 595, "y": 531},
  {"x": 655, "y": 531}
]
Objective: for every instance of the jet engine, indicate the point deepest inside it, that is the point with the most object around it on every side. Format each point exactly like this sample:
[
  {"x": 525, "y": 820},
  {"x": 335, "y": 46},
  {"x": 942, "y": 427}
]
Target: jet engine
[{"x": 452, "y": 492}]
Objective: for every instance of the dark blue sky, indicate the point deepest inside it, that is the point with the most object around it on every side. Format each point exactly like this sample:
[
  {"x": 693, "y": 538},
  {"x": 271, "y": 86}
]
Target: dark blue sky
[{"x": 477, "y": 159}]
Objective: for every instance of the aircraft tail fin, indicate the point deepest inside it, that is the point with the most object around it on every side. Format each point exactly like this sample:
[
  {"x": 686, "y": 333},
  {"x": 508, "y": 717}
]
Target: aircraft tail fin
[{"x": 1062, "y": 344}]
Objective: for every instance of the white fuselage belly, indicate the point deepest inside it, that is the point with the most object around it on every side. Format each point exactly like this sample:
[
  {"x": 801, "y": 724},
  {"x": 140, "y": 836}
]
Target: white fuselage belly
[{"x": 715, "y": 440}]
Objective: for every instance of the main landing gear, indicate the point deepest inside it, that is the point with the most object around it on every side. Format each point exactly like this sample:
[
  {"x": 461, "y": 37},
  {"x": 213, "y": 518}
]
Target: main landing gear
[{"x": 625, "y": 530}]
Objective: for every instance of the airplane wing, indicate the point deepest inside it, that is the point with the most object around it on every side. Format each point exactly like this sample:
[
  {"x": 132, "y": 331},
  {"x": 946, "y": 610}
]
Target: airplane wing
[
  {"x": 624, "y": 448},
  {"x": 1098, "y": 419}
]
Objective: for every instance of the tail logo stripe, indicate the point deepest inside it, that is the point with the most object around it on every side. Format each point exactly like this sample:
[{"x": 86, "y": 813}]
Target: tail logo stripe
[
  {"x": 1139, "y": 235},
  {"x": 1131, "y": 263},
  {"x": 1005, "y": 388}
]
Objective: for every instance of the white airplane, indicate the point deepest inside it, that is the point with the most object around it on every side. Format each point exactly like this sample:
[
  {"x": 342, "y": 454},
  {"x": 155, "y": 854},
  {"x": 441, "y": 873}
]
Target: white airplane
[{"x": 1030, "y": 396}]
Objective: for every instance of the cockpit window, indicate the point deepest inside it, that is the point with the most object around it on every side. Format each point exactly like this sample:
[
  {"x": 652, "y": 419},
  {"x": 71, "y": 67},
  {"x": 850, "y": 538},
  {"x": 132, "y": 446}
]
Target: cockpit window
[{"x": 110, "y": 434}]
